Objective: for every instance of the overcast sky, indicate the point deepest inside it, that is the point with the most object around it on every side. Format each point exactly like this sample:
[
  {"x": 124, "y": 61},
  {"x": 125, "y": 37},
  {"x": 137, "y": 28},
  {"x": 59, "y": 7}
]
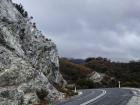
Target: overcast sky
[{"x": 90, "y": 28}]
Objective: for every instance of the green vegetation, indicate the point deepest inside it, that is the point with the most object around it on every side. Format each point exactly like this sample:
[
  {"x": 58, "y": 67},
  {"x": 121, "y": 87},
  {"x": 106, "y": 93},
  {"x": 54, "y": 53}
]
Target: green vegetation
[
  {"x": 41, "y": 94},
  {"x": 86, "y": 84},
  {"x": 76, "y": 74},
  {"x": 127, "y": 73},
  {"x": 73, "y": 72}
]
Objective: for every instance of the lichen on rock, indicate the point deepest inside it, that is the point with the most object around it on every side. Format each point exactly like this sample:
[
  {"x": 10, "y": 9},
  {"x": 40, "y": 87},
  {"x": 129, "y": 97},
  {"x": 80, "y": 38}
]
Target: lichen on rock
[{"x": 29, "y": 62}]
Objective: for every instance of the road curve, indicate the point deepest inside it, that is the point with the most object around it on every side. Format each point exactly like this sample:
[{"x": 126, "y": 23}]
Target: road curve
[{"x": 111, "y": 96}]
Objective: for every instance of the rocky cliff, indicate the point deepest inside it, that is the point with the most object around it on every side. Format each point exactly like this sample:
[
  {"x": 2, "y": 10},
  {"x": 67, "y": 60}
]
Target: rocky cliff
[{"x": 29, "y": 65}]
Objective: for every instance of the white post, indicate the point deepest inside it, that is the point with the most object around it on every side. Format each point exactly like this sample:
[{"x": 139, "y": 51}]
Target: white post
[
  {"x": 119, "y": 84},
  {"x": 75, "y": 90}
]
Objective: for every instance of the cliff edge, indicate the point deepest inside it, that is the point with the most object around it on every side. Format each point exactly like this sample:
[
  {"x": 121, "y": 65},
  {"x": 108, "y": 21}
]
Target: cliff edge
[{"x": 29, "y": 65}]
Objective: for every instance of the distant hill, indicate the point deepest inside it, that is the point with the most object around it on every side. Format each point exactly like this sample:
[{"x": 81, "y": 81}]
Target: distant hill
[
  {"x": 72, "y": 71},
  {"x": 78, "y": 74},
  {"x": 74, "y": 60},
  {"x": 77, "y": 61},
  {"x": 127, "y": 73}
]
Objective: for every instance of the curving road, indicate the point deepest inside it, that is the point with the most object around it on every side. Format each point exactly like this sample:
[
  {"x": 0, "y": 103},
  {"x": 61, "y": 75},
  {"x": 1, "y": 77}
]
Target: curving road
[{"x": 111, "y": 96}]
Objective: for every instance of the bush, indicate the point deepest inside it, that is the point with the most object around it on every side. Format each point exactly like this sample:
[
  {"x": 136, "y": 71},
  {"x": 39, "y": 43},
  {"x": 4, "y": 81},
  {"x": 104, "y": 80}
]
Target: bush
[
  {"x": 85, "y": 84},
  {"x": 41, "y": 94},
  {"x": 20, "y": 8}
]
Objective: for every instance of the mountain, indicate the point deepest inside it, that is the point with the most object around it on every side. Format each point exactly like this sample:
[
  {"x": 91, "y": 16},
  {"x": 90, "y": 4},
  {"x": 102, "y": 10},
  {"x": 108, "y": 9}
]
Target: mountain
[{"x": 29, "y": 65}]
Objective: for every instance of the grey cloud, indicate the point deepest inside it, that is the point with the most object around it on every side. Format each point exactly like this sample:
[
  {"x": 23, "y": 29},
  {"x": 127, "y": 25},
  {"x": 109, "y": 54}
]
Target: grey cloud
[{"x": 83, "y": 28}]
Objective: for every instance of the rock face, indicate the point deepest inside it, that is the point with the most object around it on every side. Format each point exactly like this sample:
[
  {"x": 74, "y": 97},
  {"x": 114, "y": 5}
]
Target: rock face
[
  {"x": 96, "y": 77},
  {"x": 29, "y": 65}
]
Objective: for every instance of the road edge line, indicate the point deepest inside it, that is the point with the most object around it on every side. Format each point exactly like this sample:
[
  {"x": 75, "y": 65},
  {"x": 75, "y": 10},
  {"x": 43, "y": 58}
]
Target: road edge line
[
  {"x": 136, "y": 97},
  {"x": 94, "y": 99}
]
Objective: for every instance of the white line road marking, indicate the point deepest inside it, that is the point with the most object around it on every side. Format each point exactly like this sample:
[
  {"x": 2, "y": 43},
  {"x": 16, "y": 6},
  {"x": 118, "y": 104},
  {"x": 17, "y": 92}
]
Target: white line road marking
[
  {"x": 94, "y": 99},
  {"x": 80, "y": 98},
  {"x": 135, "y": 100}
]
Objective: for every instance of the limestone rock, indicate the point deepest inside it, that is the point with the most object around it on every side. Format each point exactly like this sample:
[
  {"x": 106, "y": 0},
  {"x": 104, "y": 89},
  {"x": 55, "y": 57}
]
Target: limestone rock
[
  {"x": 96, "y": 77},
  {"x": 28, "y": 61}
]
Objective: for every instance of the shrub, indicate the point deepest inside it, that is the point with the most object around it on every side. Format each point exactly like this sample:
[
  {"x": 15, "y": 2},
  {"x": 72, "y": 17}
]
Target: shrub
[
  {"x": 41, "y": 94},
  {"x": 85, "y": 84},
  {"x": 20, "y": 8}
]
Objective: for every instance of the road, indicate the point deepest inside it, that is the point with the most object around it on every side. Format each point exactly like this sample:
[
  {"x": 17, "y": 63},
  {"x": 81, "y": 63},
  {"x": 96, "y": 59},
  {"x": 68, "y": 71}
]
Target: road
[{"x": 111, "y": 96}]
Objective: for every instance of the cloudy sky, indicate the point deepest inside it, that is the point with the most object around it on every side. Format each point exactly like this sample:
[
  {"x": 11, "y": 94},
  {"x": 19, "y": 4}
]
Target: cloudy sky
[{"x": 85, "y": 28}]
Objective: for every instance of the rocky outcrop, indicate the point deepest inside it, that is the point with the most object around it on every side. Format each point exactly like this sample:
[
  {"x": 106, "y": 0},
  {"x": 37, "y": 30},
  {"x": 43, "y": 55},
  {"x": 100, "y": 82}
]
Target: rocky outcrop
[
  {"x": 96, "y": 77},
  {"x": 29, "y": 63}
]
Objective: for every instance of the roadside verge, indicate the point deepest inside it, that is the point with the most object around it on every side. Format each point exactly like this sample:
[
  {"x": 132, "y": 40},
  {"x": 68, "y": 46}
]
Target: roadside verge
[{"x": 135, "y": 100}]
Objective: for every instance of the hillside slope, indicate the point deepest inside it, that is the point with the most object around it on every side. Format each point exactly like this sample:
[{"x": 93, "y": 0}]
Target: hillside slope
[
  {"x": 79, "y": 75},
  {"x": 73, "y": 72},
  {"x": 102, "y": 71},
  {"x": 127, "y": 73}
]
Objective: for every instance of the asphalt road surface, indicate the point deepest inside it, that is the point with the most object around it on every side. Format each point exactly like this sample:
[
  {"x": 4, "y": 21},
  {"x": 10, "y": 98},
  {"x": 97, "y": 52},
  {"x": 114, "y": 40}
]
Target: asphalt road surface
[{"x": 112, "y": 96}]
